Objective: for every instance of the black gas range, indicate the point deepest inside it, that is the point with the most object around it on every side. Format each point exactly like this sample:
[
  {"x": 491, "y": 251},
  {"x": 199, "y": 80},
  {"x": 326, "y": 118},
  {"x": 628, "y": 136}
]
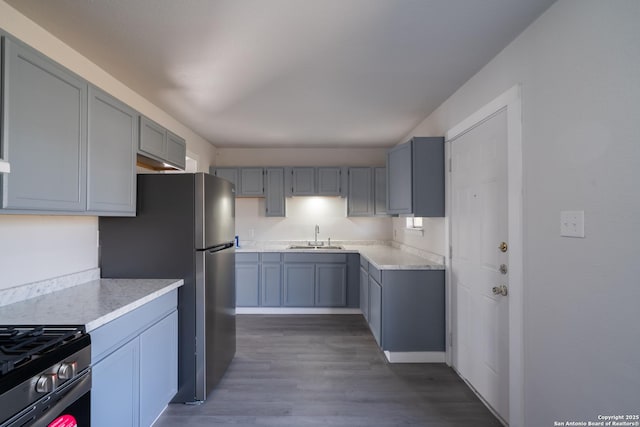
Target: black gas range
[{"x": 45, "y": 376}]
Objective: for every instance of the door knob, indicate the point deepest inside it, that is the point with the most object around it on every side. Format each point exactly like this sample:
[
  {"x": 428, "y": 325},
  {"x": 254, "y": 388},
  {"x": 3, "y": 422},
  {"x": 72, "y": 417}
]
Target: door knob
[
  {"x": 503, "y": 247},
  {"x": 500, "y": 290}
]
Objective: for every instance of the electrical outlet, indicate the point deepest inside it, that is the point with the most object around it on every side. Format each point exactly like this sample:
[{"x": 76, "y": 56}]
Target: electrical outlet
[{"x": 572, "y": 223}]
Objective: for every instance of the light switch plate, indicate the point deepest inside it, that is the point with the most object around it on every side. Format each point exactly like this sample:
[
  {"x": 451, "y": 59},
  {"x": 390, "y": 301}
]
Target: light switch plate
[{"x": 572, "y": 223}]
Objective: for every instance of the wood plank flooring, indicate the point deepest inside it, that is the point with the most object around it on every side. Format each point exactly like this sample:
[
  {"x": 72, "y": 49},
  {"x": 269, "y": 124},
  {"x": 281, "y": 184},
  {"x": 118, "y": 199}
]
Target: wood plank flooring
[{"x": 327, "y": 370}]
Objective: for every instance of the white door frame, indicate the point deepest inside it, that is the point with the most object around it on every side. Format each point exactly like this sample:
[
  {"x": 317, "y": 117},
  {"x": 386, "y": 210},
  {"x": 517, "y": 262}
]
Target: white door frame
[{"x": 509, "y": 100}]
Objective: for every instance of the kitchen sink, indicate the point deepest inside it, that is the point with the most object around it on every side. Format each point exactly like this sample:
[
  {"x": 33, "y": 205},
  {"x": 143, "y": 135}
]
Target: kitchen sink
[{"x": 334, "y": 247}]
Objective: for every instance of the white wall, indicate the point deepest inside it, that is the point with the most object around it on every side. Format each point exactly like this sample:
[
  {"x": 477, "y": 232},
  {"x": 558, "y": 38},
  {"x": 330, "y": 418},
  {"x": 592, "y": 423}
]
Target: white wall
[
  {"x": 579, "y": 66},
  {"x": 39, "y": 247},
  {"x": 304, "y": 212}
]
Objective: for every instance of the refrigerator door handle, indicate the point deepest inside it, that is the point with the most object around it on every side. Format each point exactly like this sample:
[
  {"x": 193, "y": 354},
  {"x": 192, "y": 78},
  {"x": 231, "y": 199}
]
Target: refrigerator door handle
[{"x": 220, "y": 247}]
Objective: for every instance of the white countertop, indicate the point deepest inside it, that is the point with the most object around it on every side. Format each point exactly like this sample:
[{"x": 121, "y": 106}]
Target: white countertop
[
  {"x": 92, "y": 304},
  {"x": 383, "y": 257}
]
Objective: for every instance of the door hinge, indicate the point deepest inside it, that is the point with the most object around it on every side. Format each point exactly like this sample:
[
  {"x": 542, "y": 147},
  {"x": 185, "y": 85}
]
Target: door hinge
[
  {"x": 449, "y": 164},
  {"x": 450, "y": 252},
  {"x": 450, "y": 339}
]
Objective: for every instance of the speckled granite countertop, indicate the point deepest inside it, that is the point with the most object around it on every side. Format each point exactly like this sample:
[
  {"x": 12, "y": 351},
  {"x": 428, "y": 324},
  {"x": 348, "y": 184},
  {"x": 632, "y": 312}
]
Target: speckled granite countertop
[
  {"x": 383, "y": 257},
  {"x": 92, "y": 304}
]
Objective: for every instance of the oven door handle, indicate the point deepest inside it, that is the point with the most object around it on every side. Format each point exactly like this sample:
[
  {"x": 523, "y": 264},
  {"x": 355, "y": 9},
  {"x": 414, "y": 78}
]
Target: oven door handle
[{"x": 72, "y": 391}]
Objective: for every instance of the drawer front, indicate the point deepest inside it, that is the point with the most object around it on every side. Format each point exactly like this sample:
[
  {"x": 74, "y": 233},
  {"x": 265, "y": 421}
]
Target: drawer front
[
  {"x": 375, "y": 273},
  {"x": 116, "y": 333},
  {"x": 315, "y": 258},
  {"x": 246, "y": 257},
  {"x": 271, "y": 257}
]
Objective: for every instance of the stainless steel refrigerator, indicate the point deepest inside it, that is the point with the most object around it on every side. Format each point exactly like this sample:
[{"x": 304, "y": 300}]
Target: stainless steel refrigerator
[{"x": 184, "y": 228}]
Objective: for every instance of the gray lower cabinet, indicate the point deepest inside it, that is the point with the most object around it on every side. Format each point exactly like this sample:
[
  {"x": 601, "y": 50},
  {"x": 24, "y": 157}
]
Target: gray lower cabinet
[
  {"x": 247, "y": 280},
  {"x": 258, "y": 279},
  {"x": 111, "y": 157},
  {"x": 44, "y": 133},
  {"x": 364, "y": 290},
  {"x": 158, "y": 368},
  {"x": 397, "y": 301},
  {"x": 271, "y": 284},
  {"x": 285, "y": 279},
  {"x": 318, "y": 280},
  {"x": 331, "y": 285},
  {"x": 299, "y": 285},
  {"x": 415, "y": 177},
  {"x": 375, "y": 310},
  {"x": 135, "y": 365},
  {"x": 274, "y": 192}
]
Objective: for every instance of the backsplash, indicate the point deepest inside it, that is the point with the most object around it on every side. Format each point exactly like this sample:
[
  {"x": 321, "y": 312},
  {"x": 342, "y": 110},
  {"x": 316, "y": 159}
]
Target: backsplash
[
  {"x": 43, "y": 287},
  {"x": 303, "y": 213}
]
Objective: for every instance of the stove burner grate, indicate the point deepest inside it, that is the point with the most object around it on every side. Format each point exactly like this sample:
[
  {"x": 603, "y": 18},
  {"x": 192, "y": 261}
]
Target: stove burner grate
[{"x": 19, "y": 344}]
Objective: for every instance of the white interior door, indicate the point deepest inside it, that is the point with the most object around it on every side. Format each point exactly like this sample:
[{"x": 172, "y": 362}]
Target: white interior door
[{"x": 478, "y": 264}]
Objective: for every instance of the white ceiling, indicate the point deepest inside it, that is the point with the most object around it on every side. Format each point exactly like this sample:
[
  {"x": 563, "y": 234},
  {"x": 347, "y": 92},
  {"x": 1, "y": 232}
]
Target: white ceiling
[{"x": 256, "y": 73}]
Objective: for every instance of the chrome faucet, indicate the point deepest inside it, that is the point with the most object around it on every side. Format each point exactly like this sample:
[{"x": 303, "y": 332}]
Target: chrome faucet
[{"x": 317, "y": 231}]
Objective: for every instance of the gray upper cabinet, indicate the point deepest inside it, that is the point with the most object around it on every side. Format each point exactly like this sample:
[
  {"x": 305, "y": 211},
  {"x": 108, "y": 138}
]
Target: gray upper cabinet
[
  {"x": 176, "y": 150},
  {"x": 303, "y": 182},
  {"x": 153, "y": 138},
  {"x": 111, "y": 157},
  {"x": 44, "y": 134},
  {"x": 230, "y": 174},
  {"x": 274, "y": 192},
  {"x": 360, "y": 202},
  {"x": 329, "y": 181},
  {"x": 415, "y": 178},
  {"x": 159, "y": 144},
  {"x": 252, "y": 181},
  {"x": 380, "y": 191}
]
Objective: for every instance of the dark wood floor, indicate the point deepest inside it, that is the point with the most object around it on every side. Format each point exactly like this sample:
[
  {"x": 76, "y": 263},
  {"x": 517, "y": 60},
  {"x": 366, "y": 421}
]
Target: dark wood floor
[{"x": 324, "y": 370}]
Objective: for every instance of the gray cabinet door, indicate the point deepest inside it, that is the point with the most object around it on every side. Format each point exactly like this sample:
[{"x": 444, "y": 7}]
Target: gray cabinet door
[
  {"x": 153, "y": 139},
  {"x": 247, "y": 285},
  {"x": 375, "y": 309},
  {"x": 331, "y": 285},
  {"x": 230, "y": 174},
  {"x": 271, "y": 285},
  {"x": 303, "y": 181},
  {"x": 415, "y": 178},
  {"x": 274, "y": 192},
  {"x": 111, "y": 156},
  {"x": 380, "y": 191},
  {"x": 299, "y": 285},
  {"x": 360, "y": 200},
  {"x": 399, "y": 180},
  {"x": 158, "y": 367},
  {"x": 176, "y": 150},
  {"x": 251, "y": 182},
  {"x": 364, "y": 292},
  {"x": 329, "y": 181},
  {"x": 44, "y": 132},
  {"x": 115, "y": 384}
]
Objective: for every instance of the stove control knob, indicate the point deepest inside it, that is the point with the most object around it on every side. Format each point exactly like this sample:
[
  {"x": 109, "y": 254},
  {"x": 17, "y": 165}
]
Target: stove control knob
[
  {"x": 67, "y": 370},
  {"x": 47, "y": 383}
]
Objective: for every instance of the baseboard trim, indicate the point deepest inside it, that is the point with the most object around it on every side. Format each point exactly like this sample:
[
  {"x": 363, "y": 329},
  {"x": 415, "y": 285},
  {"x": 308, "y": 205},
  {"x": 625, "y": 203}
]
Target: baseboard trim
[
  {"x": 296, "y": 310},
  {"x": 415, "y": 356}
]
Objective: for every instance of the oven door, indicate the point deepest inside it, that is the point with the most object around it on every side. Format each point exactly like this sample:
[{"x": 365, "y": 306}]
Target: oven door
[{"x": 68, "y": 406}]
